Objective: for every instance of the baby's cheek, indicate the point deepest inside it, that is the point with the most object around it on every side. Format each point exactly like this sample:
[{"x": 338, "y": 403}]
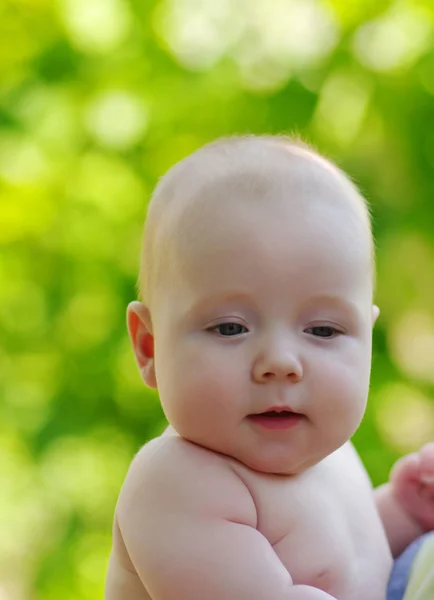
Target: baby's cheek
[
  {"x": 346, "y": 389},
  {"x": 198, "y": 383},
  {"x": 216, "y": 378}
]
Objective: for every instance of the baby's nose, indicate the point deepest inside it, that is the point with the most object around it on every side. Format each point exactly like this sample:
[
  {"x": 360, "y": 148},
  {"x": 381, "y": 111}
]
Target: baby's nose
[{"x": 278, "y": 366}]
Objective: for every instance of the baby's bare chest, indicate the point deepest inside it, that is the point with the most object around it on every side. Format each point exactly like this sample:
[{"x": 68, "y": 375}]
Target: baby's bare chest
[{"x": 325, "y": 529}]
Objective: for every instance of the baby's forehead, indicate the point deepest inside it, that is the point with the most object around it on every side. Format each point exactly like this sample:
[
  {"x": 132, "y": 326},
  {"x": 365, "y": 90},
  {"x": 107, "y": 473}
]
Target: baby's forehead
[
  {"x": 194, "y": 199},
  {"x": 290, "y": 190},
  {"x": 257, "y": 168}
]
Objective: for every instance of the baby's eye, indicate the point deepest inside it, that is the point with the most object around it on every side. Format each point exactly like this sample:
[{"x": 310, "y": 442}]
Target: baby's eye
[
  {"x": 229, "y": 329},
  {"x": 323, "y": 331}
]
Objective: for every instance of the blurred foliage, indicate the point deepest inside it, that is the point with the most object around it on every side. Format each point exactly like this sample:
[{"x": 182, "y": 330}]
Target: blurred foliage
[{"x": 97, "y": 99}]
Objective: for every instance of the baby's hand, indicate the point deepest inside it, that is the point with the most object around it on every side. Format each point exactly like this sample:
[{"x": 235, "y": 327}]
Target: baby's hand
[{"x": 412, "y": 481}]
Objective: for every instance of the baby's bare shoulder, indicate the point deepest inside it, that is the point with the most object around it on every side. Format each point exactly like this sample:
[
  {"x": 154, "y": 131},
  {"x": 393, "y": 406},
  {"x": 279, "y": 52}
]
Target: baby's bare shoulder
[{"x": 172, "y": 474}]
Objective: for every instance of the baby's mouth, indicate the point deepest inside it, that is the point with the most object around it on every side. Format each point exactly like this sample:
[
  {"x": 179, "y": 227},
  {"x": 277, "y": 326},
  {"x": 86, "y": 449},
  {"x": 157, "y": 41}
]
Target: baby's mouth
[
  {"x": 276, "y": 419},
  {"x": 275, "y": 414}
]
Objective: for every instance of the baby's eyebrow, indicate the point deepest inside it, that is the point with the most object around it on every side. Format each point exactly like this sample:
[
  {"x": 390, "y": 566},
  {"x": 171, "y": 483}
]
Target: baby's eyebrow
[
  {"x": 335, "y": 301},
  {"x": 210, "y": 300}
]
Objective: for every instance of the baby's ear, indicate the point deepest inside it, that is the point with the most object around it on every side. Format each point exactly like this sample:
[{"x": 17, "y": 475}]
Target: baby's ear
[
  {"x": 375, "y": 313},
  {"x": 140, "y": 332}
]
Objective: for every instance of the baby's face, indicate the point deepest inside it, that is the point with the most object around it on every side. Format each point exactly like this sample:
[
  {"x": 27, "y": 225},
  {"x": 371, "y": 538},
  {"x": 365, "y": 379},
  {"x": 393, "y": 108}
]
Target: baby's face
[{"x": 271, "y": 310}]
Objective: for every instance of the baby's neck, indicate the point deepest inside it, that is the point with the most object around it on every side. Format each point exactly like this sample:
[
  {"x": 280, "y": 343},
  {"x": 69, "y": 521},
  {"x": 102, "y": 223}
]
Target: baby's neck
[{"x": 169, "y": 431}]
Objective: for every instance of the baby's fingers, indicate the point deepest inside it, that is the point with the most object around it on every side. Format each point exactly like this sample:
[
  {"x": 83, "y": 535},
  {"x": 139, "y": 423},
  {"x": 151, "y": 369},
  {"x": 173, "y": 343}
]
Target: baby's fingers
[
  {"x": 406, "y": 470},
  {"x": 409, "y": 480},
  {"x": 426, "y": 458}
]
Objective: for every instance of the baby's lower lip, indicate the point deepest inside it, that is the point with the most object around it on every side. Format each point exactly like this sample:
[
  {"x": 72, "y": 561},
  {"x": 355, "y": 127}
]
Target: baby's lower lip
[{"x": 280, "y": 421}]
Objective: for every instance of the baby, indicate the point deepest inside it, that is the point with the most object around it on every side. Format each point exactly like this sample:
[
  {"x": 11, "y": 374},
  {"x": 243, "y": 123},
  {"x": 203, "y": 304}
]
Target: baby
[{"x": 257, "y": 277}]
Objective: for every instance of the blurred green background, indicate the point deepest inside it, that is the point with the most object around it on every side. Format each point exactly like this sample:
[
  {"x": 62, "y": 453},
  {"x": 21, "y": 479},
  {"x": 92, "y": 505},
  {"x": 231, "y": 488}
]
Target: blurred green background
[{"x": 97, "y": 99}]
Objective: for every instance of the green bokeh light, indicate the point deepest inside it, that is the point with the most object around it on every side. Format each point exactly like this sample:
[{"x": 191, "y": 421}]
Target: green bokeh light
[{"x": 97, "y": 99}]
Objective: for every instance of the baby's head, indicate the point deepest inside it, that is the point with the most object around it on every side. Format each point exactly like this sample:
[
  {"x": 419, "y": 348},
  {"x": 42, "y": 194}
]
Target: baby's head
[{"x": 257, "y": 280}]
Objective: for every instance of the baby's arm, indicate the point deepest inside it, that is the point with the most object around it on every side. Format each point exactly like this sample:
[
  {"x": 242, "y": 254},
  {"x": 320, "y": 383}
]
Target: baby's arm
[{"x": 189, "y": 526}]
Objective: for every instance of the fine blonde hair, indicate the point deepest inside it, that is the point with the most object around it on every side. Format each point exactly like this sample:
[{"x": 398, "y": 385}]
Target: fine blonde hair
[{"x": 235, "y": 159}]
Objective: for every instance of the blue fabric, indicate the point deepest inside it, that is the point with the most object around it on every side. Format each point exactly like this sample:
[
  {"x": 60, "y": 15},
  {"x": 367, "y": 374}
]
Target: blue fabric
[{"x": 402, "y": 570}]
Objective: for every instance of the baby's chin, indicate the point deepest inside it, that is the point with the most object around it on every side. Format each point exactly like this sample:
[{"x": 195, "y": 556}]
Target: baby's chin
[{"x": 273, "y": 462}]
